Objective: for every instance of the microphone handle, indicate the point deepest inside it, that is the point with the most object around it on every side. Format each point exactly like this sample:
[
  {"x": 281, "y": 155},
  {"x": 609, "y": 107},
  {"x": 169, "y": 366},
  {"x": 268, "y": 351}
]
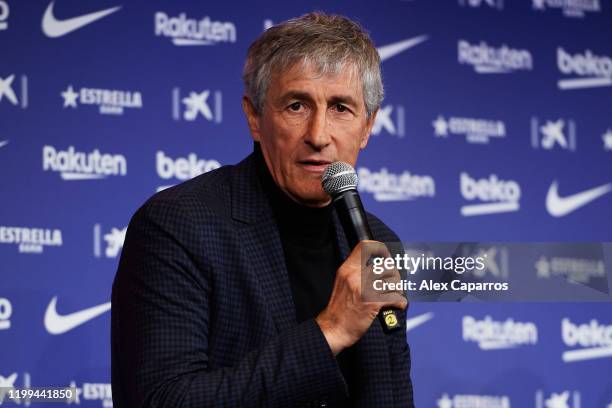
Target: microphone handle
[{"x": 356, "y": 228}]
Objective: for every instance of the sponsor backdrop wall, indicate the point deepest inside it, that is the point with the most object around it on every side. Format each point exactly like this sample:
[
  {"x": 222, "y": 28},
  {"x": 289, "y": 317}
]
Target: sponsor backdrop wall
[{"x": 496, "y": 126}]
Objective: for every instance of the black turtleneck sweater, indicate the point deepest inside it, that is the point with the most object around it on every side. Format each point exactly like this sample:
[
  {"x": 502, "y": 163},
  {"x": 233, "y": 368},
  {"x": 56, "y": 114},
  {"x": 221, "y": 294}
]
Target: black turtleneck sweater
[{"x": 311, "y": 254}]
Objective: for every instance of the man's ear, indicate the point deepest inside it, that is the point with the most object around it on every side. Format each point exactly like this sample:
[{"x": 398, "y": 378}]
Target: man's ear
[
  {"x": 252, "y": 118},
  {"x": 369, "y": 123}
]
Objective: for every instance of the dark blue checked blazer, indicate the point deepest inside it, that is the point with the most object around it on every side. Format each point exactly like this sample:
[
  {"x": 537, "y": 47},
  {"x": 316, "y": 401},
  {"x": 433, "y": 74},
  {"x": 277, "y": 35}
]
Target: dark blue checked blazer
[{"x": 203, "y": 315}]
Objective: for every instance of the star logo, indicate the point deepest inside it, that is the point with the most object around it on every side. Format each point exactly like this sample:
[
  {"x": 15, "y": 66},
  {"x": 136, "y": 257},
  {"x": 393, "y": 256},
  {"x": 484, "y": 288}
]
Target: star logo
[
  {"x": 76, "y": 396},
  {"x": 553, "y": 133},
  {"x": 70, "y": 97},
  {"x": 6, "y": 384},
  {"x": 440, "y": 126},
  {"x": 607, "y": 139},
  {"x": 196, "y": 103},
  {"x": 445, "y": 402},
  {"x": 558, "y": 400},
  {"x": 383, "y": 121},
  {"x": 6, "y": 89},
  {"x": 115, "y": 240}
]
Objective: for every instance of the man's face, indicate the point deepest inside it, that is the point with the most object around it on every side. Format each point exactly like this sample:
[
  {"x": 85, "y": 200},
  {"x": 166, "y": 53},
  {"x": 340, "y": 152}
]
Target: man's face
[{"x": 309, "y": 121}]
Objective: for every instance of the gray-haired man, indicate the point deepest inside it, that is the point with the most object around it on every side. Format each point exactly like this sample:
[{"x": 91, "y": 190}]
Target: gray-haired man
[{"x": 238, "y": 288}]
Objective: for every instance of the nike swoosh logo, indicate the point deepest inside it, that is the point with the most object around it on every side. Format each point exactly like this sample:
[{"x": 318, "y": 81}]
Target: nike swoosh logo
[
  {"x": 418, "y": 320},
  {"x": 52, "y": 27},
  {"x": 560, "y": 206},
  {"x": 387, "y": 51},
  {"x": 3, "y": 143},
  {"x": 58, "y": 324}
]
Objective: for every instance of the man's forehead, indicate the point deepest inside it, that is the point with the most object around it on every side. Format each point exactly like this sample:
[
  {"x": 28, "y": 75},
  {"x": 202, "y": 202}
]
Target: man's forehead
[{"x": 343, "y": 75}]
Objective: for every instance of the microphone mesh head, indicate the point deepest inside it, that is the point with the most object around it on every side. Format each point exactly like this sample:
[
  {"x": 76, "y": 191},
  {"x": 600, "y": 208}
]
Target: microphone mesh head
[{"x": 339, "y": 177}]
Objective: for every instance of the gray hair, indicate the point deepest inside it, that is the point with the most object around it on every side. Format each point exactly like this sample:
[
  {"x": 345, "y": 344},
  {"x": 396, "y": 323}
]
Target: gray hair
[{"x": 330, "y": 42}]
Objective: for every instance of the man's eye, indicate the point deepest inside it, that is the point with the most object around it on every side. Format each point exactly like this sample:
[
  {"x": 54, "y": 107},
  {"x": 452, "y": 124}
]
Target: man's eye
[
  {"x": 296, "y": 106},
  {"x": 341, "y": 108}
]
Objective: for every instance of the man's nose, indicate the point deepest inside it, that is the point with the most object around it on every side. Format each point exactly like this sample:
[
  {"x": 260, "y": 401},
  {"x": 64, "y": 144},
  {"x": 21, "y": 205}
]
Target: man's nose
[{"x": 318, "y": 135}]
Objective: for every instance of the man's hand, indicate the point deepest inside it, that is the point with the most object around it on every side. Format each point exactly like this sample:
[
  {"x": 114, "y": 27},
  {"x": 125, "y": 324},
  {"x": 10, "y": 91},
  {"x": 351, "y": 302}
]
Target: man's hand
[{"x": 346, "y": 317}]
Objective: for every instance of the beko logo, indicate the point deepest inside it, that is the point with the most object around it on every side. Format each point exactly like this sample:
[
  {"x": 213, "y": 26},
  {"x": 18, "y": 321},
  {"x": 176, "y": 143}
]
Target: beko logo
[
  {"x": 593, "y": 340},
  {"x": 182, "y": 168},
  {"x": 496, "y": 195},
  {"x": 491, "y": 60},
  {"x": 588, "y": 70},
  {"x": 74, "y": 165},
  {"x": 190, "y": 31},
  {"x": 386, "y": 186}
]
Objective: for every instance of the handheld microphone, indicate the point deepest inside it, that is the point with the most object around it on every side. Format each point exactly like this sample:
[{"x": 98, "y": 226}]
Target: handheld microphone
[{"x": 339, "y": 181}]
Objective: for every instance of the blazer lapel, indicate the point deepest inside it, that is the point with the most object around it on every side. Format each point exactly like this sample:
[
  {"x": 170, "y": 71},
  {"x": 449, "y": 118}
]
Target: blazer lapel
[{"x": 262, "y": 243}]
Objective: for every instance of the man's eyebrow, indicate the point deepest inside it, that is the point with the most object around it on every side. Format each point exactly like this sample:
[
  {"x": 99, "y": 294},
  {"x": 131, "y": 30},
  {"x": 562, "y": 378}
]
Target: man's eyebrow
[
  {"x": 344, "y": 99},
  {"x": 303, "y": 96}
]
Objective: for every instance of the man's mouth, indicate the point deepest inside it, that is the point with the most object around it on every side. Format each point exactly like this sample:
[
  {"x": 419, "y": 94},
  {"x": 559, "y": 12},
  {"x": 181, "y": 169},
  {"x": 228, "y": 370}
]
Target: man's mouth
[{"x": 317, "y": 166}]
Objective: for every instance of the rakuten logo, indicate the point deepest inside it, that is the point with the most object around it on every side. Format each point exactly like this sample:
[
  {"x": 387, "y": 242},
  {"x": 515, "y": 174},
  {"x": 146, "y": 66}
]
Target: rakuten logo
[
  {"x": 492, "y": 335},
  {"x": 497, "y": 195},
  {"x": 490, "y": 60},
  {"x": 74, "y": 165},
  {"x": 182, "y": 168},
  {"x": 589, "y": 70},
  {"x": 387, "y": 186},
  {"x": 595, "y": 340},
  {"x": 190, "y": 31}
]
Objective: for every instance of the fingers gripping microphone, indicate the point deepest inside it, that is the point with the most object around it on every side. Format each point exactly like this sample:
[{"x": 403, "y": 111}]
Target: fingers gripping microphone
[{"x": 339, "y": 180}]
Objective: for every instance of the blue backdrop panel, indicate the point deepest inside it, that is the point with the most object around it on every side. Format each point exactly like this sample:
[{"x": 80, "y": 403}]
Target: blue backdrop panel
[{"x": 496, "y": 126}]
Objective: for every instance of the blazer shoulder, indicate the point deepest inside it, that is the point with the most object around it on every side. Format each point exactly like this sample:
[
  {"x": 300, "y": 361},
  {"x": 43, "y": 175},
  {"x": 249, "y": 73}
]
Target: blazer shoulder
[{"x": 205, "y": 195}]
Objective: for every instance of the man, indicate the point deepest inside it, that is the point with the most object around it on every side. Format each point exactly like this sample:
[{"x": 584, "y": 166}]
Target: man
[{"x": 232, "y": 289}]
